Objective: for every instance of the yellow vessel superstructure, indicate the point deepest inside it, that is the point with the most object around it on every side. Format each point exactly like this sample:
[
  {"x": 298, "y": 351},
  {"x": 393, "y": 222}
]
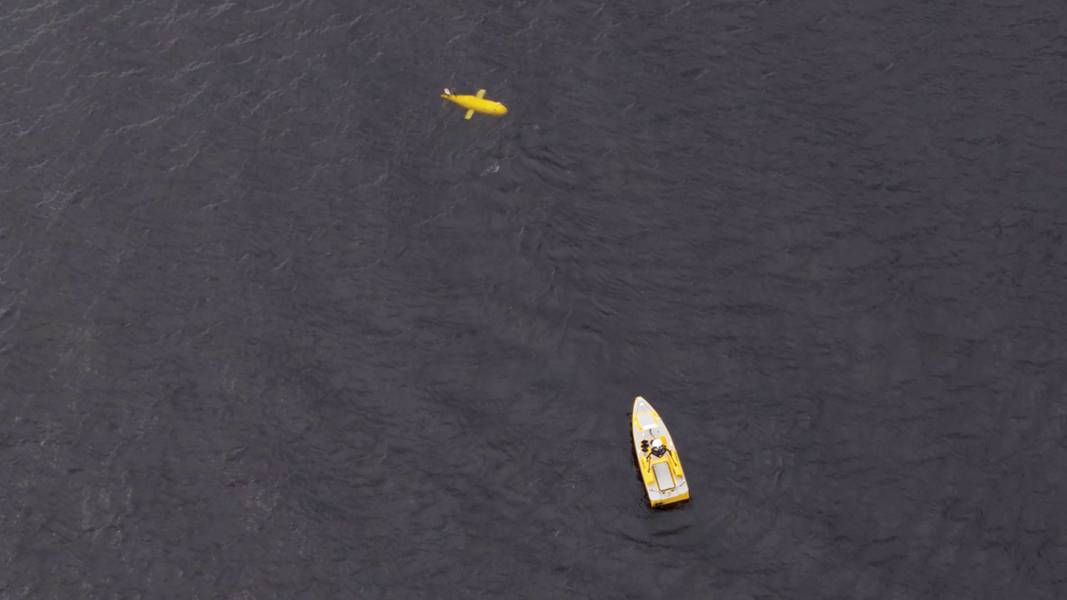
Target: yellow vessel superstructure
[
  {"x": 657, "y": 457},
  {"x": 476, "y": 104}
]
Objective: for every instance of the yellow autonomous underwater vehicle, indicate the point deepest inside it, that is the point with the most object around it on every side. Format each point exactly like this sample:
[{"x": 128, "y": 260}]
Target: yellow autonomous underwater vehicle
[
  {"x": 657, "y": 457},
  {"x": 476, "y": 104}
]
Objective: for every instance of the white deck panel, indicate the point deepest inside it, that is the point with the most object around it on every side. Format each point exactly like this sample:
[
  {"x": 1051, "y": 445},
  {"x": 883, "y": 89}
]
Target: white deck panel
[{"x": 664, "y": 477}]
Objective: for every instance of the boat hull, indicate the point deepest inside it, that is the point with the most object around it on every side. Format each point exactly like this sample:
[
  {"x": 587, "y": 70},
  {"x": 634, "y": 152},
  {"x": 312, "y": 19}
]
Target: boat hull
[{"x": 663, "y": 476}]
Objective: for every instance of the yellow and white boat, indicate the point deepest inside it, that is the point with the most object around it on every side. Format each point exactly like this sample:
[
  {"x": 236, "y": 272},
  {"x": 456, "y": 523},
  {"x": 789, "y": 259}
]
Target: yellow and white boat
[{"x": 657, "y": 457}]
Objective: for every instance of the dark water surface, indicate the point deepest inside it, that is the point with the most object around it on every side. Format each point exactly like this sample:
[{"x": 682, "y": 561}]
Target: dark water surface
[{"x": 276, "y": 323}]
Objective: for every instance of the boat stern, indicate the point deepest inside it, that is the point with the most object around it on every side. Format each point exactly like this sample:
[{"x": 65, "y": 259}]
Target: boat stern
[{"x": 657, "y": 499}]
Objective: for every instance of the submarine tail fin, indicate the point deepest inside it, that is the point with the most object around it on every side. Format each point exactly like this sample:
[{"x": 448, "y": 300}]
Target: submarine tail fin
[{"x": 470, "y": 113}]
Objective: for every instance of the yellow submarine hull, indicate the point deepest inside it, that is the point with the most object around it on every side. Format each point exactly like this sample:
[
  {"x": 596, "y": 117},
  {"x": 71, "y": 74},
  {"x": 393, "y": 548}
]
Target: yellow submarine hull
[{"x": 477, "y": 104}]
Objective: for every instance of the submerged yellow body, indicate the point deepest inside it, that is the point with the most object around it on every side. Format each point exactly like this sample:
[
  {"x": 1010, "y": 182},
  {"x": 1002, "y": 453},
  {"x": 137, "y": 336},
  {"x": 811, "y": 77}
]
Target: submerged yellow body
[
  {"x": 663, "y": 476},
  {"x": 476, "y": 104}
]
